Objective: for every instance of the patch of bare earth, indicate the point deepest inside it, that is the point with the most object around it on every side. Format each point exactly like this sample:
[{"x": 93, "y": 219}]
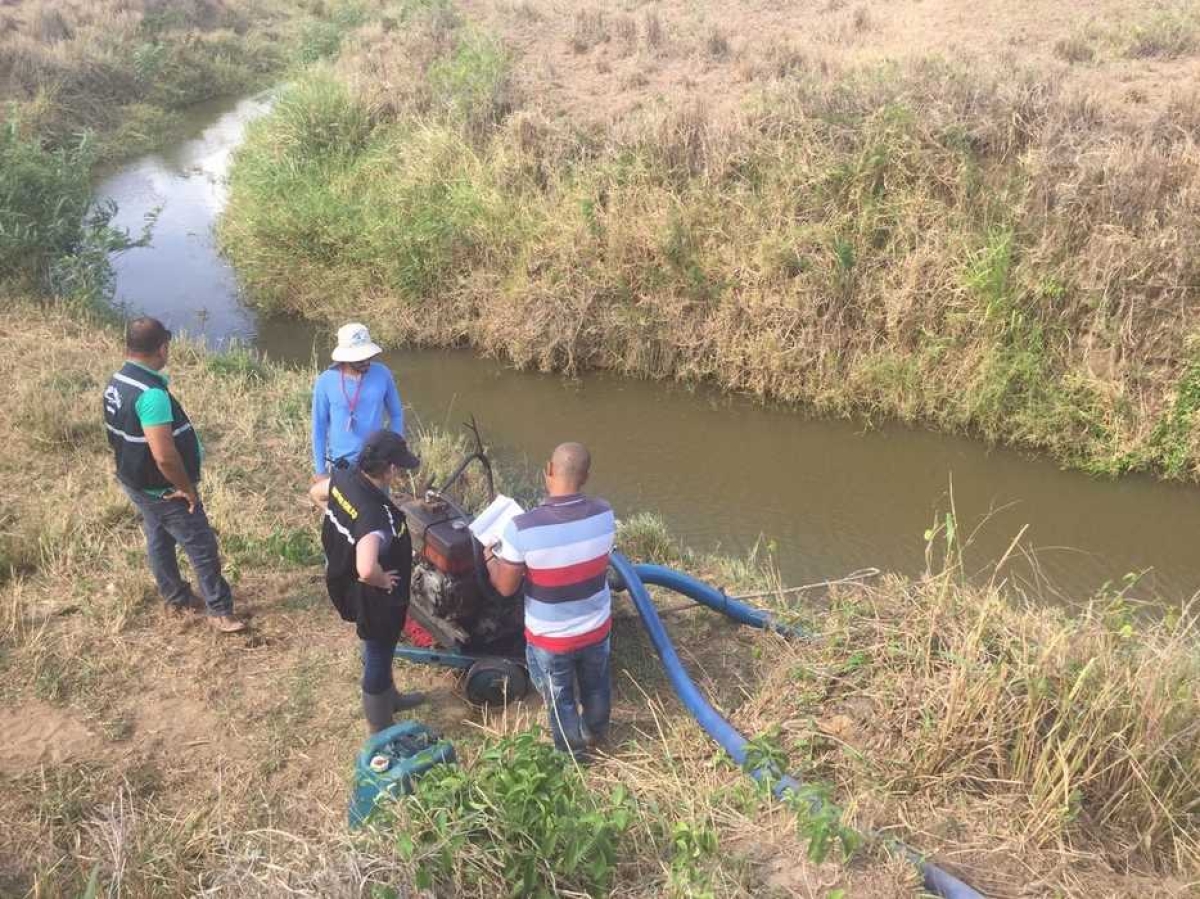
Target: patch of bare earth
[{"x": 35, "y": 733}]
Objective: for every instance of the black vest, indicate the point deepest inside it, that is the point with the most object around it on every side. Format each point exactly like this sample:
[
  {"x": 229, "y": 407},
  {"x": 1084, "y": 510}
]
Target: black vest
[
  {"x": 357, "y": 508},
  {"x": 135, "y": 465}
]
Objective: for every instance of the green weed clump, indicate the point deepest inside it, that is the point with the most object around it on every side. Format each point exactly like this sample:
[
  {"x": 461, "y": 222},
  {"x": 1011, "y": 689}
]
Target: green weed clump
[
  {"x": 1165, "y": 33},
  {"x": 1172, "y": 440},
  {"x": 322, "y": 38},
  {"x": 520, "y": 821},
  {"x": 45, "y": 195}
]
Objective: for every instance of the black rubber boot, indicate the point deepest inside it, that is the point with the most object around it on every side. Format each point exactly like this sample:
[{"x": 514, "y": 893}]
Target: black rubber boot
[
  {"x": 377, "y": 707},
  {"x": 403, "y": 701}
]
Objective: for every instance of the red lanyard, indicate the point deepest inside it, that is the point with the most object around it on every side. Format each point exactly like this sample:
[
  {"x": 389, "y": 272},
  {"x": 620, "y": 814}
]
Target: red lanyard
[{"x": 352, "y": 403}]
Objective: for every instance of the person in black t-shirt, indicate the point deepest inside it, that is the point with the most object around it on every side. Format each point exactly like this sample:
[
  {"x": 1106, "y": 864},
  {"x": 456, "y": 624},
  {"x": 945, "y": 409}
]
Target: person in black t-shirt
[{"x": 368, "y": 556}]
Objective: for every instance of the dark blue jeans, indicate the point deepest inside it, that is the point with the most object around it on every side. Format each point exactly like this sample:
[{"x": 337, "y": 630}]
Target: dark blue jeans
[
  {"x": 167, "y": 523},
  {"x": 555, "y": 675},
  {"x": 377, "y": 666}
]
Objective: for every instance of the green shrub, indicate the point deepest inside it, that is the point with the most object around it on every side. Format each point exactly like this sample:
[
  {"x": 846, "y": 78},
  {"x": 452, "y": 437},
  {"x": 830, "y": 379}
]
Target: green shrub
[
  {"x": 44, "y": 197},
  {"x": 240, "y": 363},
  {"x": 471, "y": 86},
  {"x": 322, "y": 38},
  {"x": 522, "y": 816}
]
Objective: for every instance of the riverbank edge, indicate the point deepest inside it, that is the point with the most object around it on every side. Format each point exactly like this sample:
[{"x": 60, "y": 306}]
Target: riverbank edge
[
  {"x": 1005, "y": 368},
  {"x": 177, "y": 55},
  {"x": 927, "y": 701}
]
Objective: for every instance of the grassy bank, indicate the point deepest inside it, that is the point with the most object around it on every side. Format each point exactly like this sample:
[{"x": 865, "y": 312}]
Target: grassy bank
[
  {"x": 845, "y": 214},
  {"x": 88, "y": 82},
  {"x": 1032, "y": 752},
  {"x": 126, "y": 71}
]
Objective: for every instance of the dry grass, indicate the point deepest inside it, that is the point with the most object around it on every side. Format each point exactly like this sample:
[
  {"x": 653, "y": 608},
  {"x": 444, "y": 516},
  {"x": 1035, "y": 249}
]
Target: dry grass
[
  {"x": 590, "y": 29},
  {"x": 1016, "y": 744},
  {"x": 988, "y": 247},
  {"x": 126, "y": 68},
  {"x": 1075, "y": 48}
]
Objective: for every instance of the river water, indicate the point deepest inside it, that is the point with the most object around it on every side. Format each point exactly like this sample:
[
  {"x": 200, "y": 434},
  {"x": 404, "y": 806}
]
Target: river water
[{"x": 724, "y": 471}]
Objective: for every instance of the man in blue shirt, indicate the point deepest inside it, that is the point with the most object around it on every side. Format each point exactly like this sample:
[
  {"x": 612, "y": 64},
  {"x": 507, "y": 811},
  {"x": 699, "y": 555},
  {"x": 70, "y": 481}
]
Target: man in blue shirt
[{"x": 349, "y": 401}]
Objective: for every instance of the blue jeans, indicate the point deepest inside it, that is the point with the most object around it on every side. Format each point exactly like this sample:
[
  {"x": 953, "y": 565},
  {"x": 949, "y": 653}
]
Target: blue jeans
[
  {"x": 167, "y": 523},
  {"x": 378, "y": 658},
  {"x": 555, "y": 674}
]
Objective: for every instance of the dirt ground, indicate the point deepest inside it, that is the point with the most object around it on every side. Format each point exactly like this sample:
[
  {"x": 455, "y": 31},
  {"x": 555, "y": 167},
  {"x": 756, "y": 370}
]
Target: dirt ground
[{"x": 240, "y": 742}]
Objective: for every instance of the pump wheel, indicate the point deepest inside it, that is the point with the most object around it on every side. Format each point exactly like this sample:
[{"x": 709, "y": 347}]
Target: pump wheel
[{"x": 495, "y": 681}]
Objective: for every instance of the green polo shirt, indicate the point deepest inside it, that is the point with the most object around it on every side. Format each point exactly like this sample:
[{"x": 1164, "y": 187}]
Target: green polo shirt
[{"x": 153, "y": 408}]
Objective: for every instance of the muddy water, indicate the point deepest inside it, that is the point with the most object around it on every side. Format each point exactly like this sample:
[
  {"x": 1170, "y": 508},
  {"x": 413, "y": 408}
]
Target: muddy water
[
  {"x": 725, "y": 472},
  {"x": 181, "y": 278}
]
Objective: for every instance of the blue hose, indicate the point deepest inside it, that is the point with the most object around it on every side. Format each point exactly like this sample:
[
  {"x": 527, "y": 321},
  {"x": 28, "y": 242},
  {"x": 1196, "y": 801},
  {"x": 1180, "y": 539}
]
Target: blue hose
[
  {"x": 660, "y": 576},
  {"x": 936, "y": 880}
]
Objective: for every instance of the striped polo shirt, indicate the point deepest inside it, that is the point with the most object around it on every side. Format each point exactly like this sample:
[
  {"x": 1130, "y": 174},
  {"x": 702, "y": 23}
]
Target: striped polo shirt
[{"x": 564, "y": 545}]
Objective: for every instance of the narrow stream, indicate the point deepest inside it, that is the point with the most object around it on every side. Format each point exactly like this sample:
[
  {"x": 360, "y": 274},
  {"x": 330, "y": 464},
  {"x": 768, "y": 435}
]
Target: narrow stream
[{"x": 725, "y": 472}]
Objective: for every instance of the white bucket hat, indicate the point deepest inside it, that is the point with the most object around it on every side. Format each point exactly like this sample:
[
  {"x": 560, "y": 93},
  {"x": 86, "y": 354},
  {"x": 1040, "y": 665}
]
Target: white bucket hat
[{"x": 354, "y": 344}]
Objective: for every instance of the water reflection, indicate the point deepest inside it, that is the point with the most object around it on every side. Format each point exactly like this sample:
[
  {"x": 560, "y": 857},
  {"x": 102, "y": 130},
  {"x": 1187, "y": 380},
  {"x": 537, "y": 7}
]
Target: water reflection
[{"x": 181, "y": 277}]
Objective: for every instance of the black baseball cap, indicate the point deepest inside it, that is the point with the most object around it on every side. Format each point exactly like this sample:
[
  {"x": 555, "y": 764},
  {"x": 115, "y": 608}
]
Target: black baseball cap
[{"x": 388, "y": 446}]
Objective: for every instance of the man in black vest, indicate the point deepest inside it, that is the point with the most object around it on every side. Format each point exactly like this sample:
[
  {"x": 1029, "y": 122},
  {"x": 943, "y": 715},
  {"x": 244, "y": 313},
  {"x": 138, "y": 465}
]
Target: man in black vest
[{"x": 158, "y": 458}]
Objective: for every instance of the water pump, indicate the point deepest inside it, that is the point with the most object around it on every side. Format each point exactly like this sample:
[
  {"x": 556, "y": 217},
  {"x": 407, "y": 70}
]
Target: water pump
[{"x": 454, "y": 612}]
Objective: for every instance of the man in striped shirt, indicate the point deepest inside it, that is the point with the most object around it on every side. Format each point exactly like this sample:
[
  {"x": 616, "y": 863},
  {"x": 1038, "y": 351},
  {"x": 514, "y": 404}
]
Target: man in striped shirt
[{"x": 560, "y": 549}]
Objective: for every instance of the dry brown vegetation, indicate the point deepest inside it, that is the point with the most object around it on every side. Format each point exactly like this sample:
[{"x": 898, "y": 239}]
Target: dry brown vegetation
[
  {"x": 162, "y": 759},
  {"x": 1034, "y": 753},
  {"x": 126, "y": 68},
  {"x": 673, "y": 50},
  {"x": 980, "y": 217}
]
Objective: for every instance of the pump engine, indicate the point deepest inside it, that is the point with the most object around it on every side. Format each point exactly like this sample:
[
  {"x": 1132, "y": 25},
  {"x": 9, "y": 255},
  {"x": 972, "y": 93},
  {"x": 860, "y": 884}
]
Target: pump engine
[{"x": 451, "y": 597}]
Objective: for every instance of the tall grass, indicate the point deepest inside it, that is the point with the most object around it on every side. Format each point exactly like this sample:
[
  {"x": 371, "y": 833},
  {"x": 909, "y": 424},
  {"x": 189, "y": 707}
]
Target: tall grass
[
  {"x": 44, "y": 196},
  {"x": 834, "y": 245},
  {"x": 1090, "y": 723},
  {"x": 345, "y": 196},
  {"x": 1001, "y": 738},
  {"x": 125, "y": 70}
]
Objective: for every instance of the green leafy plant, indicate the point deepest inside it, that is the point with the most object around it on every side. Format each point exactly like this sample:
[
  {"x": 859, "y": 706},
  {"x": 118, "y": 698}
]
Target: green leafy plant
[
  {"x": 766, "y": 756},
  {"x": 521, "y": 815},
  {"x": 53, "y": 237},
  {"x": 692, "y": 845},
  {"x": 293, "y": 547},
  {"x": 819, "y": 822}
]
